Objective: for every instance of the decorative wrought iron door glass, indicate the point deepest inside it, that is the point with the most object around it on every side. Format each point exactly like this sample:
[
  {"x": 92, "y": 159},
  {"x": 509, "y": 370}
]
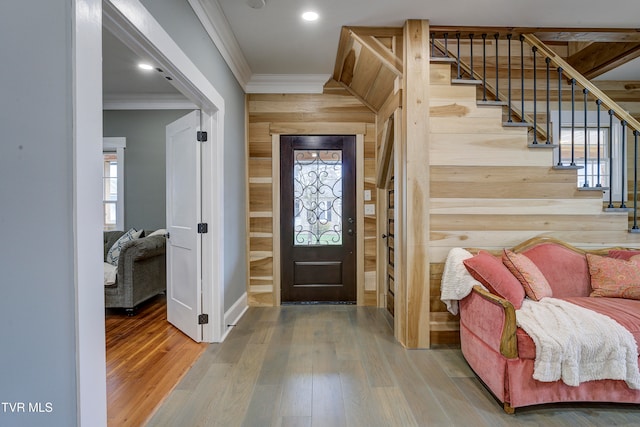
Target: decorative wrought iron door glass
[{"x": 317, "y": 197}]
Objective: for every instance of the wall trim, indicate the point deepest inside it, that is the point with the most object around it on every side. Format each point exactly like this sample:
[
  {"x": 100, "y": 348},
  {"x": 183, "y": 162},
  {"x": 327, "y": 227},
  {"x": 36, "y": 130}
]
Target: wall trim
[
  {"x": 287, "y": 83},
  {"x": 234, "y": 314},
  {"x": 147, "y": 102},
  {"x": 216, "y": 25}
]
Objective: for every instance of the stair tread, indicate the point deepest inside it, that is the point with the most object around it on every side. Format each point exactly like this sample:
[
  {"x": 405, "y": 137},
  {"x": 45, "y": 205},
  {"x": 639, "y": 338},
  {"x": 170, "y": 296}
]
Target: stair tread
[
  {"x": 567, "y": 167},
  {"x": 443, "y": 59},
  {"x": 491, "y": 103},
  {"x": 592, "y": 188},
  {"x": 517, "y": 124},
  {"x": 542, "y": 144},
  {"x": 466, "y": 81}
]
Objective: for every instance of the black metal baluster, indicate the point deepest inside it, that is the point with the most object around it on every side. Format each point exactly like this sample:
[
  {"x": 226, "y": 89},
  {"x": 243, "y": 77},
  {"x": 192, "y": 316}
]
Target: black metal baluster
[
  {"x": 610, "y": 159},
  {"x": 433, "y": 43},
  {"x": 598, "y": 104},
  {"x": 509, "y": 74},
  {"x": 471, "y": 36},
  {"x": 535, "y": 98},
  {"x": 458, "y": 61},
  {"x": 560, "y": 116},
  {"x": 549, "y": 137},
  {"x": 484, "y": 67},
  {"x": 497, "y": 36},
  {"x": 446, "y": 44},
  {"x": 522, "y": 75},
  {"x": 585, "y": 91},
  {"x": 573, "y": 121},
  {"x": 623, "y": 167},
  {"x": 635, "y": 180}
]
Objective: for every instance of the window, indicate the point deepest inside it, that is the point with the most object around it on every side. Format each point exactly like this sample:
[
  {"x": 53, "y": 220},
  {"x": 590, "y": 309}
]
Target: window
[
  {"x": 594, "y": 172},
  {"x": 113, "y": 183}
]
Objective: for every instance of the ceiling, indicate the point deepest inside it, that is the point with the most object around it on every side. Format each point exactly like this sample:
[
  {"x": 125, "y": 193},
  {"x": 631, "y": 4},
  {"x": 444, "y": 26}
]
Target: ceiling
[
  {"x": 275, "y": 41},
  {"x": 121, "y": 75}
]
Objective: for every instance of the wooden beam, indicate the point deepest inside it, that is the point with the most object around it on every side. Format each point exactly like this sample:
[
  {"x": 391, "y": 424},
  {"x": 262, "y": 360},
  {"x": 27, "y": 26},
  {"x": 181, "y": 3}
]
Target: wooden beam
[
  {"x": 414, "y": 211},
  {"x": 620, "y": 91},
  {"x": 383, "y": 166},
  {"x": 377, "y": 31},
  {"x": 598, "y": 58},
  {"x": 548, "y": 34},
  {"x": 344, "y": 47}
]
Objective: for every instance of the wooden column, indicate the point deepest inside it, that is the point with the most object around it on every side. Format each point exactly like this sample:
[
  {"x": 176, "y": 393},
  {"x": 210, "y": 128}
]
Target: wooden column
[{"x": 414, "y": 224}]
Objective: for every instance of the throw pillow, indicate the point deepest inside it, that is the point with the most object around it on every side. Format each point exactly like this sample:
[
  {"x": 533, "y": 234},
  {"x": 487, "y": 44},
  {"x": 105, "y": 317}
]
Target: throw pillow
[
  {"x": 114, "y": 252},
  {"x": 491, "y": 272},
  {"x": 160, "y": 231},
  {"x": 533, "y": 281},
  {"x": 622, "y": 254},
  {"x": 614, "y": 278}
]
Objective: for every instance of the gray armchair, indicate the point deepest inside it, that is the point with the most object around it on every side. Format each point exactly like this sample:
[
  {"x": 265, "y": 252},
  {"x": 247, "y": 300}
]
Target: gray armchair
[{"x": 141, "y": 271}]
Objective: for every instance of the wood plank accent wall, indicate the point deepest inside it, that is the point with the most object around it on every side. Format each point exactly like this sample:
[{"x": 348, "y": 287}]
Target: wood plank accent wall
[
  {"x": 333, "y": 112},
  {"x": 488, "y": 190}
]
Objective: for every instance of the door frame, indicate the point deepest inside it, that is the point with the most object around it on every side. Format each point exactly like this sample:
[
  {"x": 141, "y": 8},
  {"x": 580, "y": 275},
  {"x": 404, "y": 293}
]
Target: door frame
[
  {"x": 135, "y": 26},
  {"x": 275, "y": 174},
  {"x": 130, "y": 21}
]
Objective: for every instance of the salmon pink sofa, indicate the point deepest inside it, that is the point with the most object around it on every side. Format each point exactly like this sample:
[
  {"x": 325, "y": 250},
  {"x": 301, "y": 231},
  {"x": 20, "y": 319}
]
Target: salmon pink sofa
[{"x": 503, "y": 355}]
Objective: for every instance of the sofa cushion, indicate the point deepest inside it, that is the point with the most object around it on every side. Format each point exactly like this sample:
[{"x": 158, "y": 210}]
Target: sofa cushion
[
  {"x": 566, "y": 271},
  {"x": 492, "y": 273},
  {"x": 114, "y": 253},
  {"x": 615, "y": 278},
  {"x": 624, "y": 311},
  {"x": 533, "y": 281}
]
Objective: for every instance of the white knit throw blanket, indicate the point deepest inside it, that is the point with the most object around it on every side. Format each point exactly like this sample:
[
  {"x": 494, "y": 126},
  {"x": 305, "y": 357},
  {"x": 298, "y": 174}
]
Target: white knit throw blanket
[
  {"x": 456, "y": 282},
  {"x": 576, "y": 344}
]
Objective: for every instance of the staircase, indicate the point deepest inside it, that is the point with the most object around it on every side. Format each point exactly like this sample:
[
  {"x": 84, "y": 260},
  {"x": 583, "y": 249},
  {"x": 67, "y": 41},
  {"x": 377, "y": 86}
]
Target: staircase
[{"x": 535, "y": 88}]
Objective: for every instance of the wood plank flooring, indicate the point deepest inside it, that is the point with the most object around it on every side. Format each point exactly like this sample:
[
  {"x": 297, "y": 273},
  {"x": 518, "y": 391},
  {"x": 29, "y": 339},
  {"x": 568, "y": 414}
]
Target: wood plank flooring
[
  {"x": 340, "y": 366},
  {"x": 146, "y": 358}
]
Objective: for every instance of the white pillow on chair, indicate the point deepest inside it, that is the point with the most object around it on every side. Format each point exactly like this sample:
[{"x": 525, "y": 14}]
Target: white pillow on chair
[{"x": 114, "y": 251}]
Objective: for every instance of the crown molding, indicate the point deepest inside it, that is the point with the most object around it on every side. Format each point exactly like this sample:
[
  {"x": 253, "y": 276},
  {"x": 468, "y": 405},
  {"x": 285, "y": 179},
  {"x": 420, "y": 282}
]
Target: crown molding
[
  {"x": 144, "y": 101},
  {"x": 287, "y": 83},
  {"x": 216, "y": 25}
]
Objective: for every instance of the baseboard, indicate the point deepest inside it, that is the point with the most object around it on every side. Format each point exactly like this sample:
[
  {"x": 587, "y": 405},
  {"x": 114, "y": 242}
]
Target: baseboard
[{"x": 234, "y": 314}]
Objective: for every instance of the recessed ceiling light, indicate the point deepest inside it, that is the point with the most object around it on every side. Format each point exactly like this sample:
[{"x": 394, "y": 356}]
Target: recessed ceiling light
[
  {"x": 145, "y": 66},
  {"x": 310, "y": 16}
]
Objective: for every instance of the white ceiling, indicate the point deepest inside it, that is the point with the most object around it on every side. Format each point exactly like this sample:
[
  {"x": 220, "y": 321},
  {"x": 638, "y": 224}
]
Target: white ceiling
[
  {"x": 274, "y": 40},
  {"x": 121, "y": 75}
]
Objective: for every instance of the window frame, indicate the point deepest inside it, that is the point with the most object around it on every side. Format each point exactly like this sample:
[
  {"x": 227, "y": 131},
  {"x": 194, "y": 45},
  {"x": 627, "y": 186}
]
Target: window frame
[{"x": 116, "y": 145}]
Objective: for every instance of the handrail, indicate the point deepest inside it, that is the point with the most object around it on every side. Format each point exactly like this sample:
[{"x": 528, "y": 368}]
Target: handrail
[{"x": 571, "y": 72}]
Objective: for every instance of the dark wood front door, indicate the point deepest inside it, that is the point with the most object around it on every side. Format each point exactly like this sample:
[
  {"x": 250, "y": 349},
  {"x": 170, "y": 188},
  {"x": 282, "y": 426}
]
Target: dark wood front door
[{"x": 318, "y": 218}]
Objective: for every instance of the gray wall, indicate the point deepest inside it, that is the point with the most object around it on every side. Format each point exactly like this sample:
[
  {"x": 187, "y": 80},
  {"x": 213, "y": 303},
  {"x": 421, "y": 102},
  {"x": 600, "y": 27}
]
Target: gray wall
[
  {"x": 179, "y": 20},
  {"x": 144, "y": 163},
  {"x": 37, "y": 308}
]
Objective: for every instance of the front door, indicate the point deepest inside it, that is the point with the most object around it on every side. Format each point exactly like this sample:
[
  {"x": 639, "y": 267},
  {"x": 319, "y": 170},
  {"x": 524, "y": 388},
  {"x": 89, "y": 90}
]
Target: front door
[
  {"x": 318, "y": 219},
  {"x": 184, "y": 244}
]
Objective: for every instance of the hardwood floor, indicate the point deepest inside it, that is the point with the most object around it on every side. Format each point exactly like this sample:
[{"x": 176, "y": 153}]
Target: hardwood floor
[
  {"x": 146, "y": 358},
  {"x": 340, "y": 366}
]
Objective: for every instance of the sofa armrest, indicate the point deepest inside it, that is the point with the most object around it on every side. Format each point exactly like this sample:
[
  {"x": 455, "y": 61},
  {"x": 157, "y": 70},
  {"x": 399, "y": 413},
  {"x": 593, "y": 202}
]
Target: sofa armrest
[
  {"x": 139, "y": 249},
  {"x": 492, "y": 319}
]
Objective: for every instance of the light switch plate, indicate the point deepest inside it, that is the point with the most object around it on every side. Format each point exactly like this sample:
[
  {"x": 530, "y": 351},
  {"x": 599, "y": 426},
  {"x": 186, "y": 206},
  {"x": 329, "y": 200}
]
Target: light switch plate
[
  {"x": 367, "y": 195},
  {"x": 370, "y": 209}
]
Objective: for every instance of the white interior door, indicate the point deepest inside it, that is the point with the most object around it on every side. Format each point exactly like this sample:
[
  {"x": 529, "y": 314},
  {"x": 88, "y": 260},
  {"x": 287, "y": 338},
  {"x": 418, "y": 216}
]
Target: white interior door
[{"x": 184, "y": 245}]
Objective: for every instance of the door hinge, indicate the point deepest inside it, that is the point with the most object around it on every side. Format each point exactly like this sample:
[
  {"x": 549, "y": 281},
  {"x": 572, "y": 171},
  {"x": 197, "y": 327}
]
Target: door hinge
[
  {"x": 203, "y": 227},
  {"x": 202, "y": 136},
  {"x": 203, "y": 319}
]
